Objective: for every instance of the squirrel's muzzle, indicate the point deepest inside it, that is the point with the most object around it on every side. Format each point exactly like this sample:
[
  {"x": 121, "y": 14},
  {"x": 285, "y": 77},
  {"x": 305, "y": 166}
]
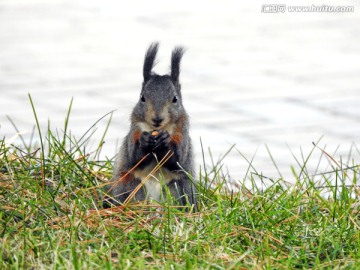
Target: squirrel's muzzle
[{"x": 157, "y": 121}]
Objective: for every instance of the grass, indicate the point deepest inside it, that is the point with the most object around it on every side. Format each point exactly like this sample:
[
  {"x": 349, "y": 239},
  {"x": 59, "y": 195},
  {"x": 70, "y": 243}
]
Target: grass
[{"x": 51, "y": 215}]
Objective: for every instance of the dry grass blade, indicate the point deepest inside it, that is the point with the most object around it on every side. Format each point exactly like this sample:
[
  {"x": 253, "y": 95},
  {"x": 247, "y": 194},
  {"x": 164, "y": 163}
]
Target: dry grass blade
[
  {"x": 130, "y": 171},
  {"x": 327, "y": 155},
  {"x": 157, "y": 167}
]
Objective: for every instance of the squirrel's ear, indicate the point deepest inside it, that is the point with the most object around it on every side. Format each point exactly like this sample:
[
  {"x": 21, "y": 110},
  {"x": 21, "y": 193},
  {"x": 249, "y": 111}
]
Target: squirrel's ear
[
  {"x": 149, "y": 60},
  {"x": 175, "y": 63}
]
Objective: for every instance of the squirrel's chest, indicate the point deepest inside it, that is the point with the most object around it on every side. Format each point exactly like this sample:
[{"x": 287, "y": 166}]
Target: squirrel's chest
[{"x": 153, "y": 182}]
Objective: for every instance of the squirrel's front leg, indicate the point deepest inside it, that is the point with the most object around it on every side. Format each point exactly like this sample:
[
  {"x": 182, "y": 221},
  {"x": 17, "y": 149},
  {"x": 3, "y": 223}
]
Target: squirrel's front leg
[
  {"x": 159, "y": 145},
  {"x": 163, "y": 144},
  {"x": 143, "y": 144},
  {"x": 161, "y": 141},
  {"x": 146, "y": 143}
]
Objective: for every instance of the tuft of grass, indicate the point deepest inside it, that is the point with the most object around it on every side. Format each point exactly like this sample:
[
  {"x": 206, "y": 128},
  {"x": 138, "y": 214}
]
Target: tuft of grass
[{"x": 51, "y": 215}]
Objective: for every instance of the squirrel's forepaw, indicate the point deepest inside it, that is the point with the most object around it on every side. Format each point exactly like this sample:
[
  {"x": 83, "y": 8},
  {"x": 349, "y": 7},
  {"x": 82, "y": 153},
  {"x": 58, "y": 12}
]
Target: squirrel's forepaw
[
  {"x": 153, "y": 142},
  {"x": 162, "y": 139},
  {"x": 147, "y": 140}
]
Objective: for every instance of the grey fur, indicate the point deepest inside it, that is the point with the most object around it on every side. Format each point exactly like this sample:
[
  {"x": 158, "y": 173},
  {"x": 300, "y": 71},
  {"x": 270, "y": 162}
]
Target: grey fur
[{"x": 159, "y": 108}]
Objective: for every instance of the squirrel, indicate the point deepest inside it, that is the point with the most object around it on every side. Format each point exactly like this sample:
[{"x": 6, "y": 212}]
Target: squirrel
[{"x": 159, "y": 132}]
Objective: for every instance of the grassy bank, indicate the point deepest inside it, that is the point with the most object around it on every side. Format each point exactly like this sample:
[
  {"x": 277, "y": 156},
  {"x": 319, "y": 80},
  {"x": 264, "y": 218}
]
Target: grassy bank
[{"x": 51, "y": 217}]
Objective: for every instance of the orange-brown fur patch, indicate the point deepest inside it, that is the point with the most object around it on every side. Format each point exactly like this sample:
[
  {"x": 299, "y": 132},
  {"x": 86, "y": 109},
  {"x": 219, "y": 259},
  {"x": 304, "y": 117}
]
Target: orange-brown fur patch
[
  {"x": 176, "y": 138},
  {"x": 136, "y": 135},
  {"x": 126, "y": 177}
]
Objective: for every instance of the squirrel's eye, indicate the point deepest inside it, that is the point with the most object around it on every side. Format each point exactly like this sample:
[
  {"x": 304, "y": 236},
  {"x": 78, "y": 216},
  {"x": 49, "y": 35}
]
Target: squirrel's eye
[
  {"x": 142, "y": 98},
  {"x": 175, "y": 99}
]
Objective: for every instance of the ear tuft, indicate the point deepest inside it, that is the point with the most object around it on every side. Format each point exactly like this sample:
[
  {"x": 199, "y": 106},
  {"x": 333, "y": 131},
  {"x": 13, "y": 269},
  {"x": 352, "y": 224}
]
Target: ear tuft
[
  {"x": 175, "y": 63},
  {"x": 149, "y": 60}
]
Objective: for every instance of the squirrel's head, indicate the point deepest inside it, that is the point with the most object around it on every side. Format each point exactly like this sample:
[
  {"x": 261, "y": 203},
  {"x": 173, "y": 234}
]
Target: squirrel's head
[{"x": 160, "y": 104}]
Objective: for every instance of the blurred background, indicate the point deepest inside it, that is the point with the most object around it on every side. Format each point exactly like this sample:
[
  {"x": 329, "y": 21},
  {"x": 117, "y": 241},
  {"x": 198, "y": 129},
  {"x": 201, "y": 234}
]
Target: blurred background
[{"x": 268, "y": 83}]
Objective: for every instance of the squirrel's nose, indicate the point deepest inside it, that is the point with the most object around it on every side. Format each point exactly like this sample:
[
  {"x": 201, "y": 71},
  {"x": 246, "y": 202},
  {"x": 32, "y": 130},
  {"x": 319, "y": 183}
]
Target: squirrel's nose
[{"x": 157, "y": 121}]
